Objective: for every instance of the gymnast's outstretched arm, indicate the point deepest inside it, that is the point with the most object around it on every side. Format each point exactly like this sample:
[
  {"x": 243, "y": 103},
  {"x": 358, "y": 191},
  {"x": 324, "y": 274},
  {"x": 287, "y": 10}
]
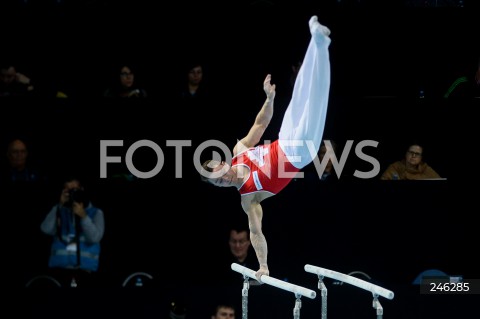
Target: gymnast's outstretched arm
[{"x": 262, "y": 120}]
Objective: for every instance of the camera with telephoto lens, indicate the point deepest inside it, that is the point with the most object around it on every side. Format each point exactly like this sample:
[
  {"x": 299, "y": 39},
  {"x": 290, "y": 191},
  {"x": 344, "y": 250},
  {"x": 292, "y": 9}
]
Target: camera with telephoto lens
[{"x": 76, "y": 195}]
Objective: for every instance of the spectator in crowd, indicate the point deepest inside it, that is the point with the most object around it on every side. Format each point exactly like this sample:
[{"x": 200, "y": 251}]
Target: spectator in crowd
[
  {"x": 19, "y": 169},
  {"x": 77, "y": 228},
  {"x": 328, "y": 173},
  {"x": 412, "y": 167},
  {"x": 193, "y": 86},
  {"x": 14, "y": 83},
  {"x": 241, "y": 247},
  {"x": 125, "y": 84},
  {"x": 240, "y": 251},
  {"x": 224, "y": 311}
]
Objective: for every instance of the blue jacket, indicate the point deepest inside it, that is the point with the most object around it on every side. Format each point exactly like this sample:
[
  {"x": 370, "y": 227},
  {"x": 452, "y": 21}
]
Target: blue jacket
[{"x": 64, "y": 246}]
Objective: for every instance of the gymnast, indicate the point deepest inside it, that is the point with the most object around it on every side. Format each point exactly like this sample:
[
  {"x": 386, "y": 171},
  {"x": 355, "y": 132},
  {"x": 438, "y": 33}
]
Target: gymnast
[{"x": 261, "y": 171}]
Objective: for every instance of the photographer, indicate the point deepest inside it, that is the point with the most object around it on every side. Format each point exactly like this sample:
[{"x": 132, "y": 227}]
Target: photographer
[{"x": 77, "y": 228}]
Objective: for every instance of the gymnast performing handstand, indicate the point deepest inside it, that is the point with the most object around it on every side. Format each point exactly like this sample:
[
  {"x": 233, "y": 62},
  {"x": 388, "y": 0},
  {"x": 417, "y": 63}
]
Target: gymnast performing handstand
[{"x": 261, "y": 171}]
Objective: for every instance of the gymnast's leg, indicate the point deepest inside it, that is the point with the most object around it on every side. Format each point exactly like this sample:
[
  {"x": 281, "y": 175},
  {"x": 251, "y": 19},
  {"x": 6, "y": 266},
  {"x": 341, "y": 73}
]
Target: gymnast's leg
[{"x": 304, "y": 119}]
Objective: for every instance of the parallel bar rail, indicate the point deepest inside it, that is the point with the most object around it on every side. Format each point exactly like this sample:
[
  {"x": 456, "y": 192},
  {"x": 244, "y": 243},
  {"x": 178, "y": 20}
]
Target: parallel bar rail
[
  {"x": 297, "y": 290},
  {"x": 374, "y": 289}
]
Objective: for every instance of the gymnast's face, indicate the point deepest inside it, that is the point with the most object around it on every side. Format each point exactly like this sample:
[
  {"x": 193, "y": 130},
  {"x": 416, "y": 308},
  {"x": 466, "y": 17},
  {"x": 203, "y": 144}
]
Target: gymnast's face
[{"x": 223, "y": 175}]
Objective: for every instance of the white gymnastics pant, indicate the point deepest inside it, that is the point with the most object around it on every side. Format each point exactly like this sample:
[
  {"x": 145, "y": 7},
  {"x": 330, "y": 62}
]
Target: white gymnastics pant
[{"x": 304, "y": 119}]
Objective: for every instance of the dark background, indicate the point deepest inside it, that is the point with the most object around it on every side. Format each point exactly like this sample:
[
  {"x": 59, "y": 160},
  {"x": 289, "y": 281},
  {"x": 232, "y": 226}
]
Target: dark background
[{"x": 174, "y": 228}]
